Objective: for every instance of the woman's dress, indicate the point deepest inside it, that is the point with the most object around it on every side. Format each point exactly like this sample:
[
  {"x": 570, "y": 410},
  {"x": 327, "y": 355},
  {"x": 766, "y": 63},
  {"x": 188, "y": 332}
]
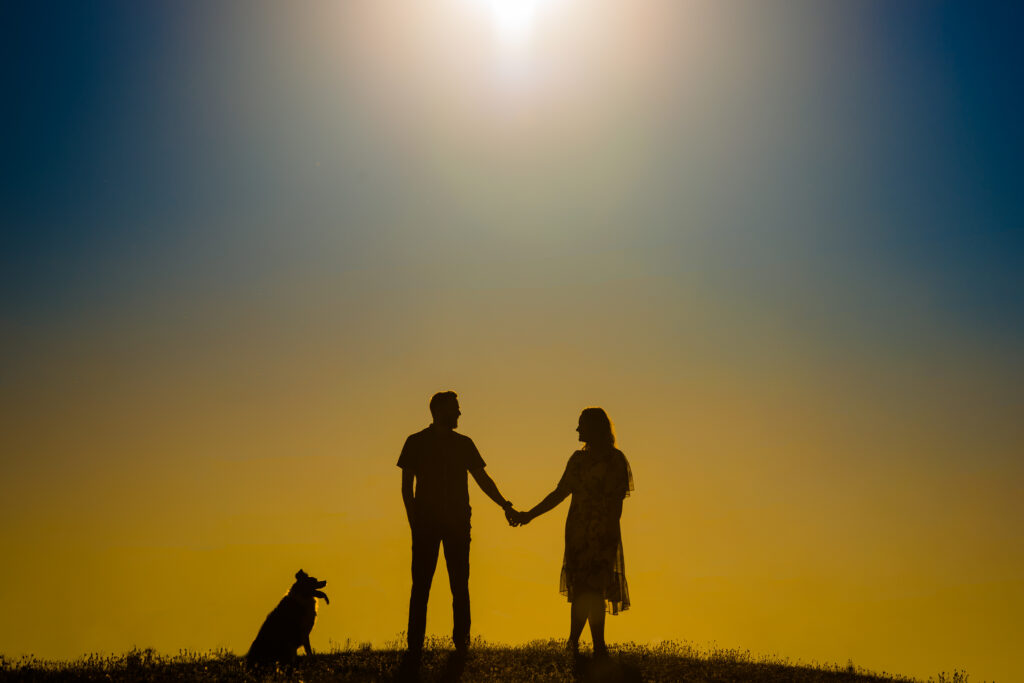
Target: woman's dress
[{"x": 598, "y": 480}]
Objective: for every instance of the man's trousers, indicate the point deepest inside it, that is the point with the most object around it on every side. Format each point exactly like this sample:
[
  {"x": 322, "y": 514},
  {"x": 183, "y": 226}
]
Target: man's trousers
[{"x": 426, "y": 541}]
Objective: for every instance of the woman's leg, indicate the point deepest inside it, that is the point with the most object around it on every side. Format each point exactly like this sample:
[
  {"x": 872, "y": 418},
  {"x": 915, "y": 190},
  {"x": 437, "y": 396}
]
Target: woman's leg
[
  {"x": 579, "y": 609},
  {"x": 596, "y": 616}
]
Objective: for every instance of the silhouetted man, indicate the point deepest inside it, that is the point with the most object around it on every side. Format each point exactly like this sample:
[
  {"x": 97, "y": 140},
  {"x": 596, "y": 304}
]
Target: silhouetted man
[{"x": 438, "y": 459}]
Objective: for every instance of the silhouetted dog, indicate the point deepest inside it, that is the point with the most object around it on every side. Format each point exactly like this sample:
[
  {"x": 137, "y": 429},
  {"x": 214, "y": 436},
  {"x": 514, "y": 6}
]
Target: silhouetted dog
[{"x": 288, "y": 626}]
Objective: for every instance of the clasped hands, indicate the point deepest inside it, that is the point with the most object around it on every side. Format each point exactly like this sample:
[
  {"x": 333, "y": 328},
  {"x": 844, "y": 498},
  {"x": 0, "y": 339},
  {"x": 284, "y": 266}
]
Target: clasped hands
[{"x": 515, "y": 517}]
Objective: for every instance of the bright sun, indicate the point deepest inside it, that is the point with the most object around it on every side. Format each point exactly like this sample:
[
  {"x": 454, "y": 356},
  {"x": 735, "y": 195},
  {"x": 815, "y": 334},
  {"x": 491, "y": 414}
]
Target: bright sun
[{"x": 513, "y": 19}]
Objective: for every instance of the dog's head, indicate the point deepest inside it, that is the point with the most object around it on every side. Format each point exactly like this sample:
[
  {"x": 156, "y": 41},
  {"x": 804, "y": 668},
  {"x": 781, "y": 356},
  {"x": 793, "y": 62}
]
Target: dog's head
[{"x": 307, "y": 586}]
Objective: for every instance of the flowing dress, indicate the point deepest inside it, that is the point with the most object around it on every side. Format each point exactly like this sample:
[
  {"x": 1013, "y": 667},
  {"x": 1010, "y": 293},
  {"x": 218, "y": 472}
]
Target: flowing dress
[{"x": 594, "y": 563}]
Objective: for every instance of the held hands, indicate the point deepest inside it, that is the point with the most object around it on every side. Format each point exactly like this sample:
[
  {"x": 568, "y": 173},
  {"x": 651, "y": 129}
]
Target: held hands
[
  {"x": 510, "y": 513},
  {"x": 515, "y": 517}
]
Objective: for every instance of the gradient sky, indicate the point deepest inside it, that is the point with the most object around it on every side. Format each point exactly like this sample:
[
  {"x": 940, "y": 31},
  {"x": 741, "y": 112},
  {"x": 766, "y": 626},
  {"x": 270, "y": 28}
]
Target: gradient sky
[{"x": 781, "y": 243}]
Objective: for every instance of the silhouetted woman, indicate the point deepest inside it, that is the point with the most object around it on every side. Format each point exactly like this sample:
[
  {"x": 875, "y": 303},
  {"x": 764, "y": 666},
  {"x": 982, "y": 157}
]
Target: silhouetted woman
[{"x": 593, "y": 568}]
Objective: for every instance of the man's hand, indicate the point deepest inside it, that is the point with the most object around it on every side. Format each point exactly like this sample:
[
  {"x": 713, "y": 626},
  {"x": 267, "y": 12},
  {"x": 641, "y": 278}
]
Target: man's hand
[
  {"x": 516, "y": 517},
  {"x": 510, "y": 513}
]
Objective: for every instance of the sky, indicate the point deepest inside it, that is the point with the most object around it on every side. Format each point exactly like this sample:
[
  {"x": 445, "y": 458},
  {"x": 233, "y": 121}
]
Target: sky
[{"x": 782, "y": 244}]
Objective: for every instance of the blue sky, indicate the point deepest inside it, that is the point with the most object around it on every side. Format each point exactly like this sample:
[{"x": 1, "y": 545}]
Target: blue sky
[{"x": 104, "y": 161}]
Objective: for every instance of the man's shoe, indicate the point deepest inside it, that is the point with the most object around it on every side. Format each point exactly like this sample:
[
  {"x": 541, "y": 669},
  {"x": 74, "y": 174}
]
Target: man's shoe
[{"x": 409, "y": 669}]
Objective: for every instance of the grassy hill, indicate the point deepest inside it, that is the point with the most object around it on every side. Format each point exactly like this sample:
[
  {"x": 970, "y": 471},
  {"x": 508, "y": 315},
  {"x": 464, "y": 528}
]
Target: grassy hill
[{"x": 538, "y": 661}]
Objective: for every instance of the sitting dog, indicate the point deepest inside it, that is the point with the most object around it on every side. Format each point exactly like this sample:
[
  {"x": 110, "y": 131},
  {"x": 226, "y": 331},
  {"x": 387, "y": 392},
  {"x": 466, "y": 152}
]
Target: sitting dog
[{"x": 288, "y": 626}]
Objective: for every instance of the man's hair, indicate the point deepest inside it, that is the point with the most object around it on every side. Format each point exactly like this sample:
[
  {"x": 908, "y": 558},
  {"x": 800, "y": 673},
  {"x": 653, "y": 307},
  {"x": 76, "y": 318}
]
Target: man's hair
[{"x": 440, "y": 398}]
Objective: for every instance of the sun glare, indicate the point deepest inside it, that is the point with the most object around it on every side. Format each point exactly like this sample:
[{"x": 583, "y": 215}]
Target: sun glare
[{"x": 513, "y": 19}]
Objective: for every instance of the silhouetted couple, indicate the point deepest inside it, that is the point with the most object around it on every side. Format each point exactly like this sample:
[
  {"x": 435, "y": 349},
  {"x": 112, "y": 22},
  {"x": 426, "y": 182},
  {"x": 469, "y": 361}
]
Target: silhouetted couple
[{"x": 598, "y": 477}]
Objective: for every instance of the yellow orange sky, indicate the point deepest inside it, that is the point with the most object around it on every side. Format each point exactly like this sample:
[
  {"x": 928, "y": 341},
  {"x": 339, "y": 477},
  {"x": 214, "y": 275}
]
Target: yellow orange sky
[
  {"x": 812, "y": 503},
  {"x": 666, "y": 211}
]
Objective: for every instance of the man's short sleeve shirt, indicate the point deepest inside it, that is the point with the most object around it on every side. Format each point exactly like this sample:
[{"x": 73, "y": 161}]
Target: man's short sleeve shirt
[{"x": 441, "y": 459}]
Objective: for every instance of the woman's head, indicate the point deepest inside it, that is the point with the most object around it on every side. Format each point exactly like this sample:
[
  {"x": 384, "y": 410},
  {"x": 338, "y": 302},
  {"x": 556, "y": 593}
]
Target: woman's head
[{"x": 595, "y": 429}]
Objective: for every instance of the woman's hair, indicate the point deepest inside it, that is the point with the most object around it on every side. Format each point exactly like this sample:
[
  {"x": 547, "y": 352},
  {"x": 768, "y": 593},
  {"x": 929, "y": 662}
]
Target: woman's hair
[{"x": 602, "y": 426}]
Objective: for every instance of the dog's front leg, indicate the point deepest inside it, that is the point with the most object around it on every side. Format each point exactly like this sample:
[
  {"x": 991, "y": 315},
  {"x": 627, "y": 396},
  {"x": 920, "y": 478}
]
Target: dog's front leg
[{"x": 306, "y": 647}]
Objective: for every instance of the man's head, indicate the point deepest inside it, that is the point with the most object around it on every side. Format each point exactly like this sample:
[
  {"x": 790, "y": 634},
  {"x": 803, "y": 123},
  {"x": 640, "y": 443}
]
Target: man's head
[{"x": 444, "y": 407}]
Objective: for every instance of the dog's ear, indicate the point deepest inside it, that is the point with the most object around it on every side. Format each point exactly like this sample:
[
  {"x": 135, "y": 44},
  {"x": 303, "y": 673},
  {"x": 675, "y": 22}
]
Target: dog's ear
[{"x": 300, "y": 575}]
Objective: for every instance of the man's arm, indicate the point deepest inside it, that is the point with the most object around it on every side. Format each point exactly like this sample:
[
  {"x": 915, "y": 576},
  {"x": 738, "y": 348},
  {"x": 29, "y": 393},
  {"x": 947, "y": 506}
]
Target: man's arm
[
  {"x": 488, "y": 486},
  {"x": 407, "y": 495}
]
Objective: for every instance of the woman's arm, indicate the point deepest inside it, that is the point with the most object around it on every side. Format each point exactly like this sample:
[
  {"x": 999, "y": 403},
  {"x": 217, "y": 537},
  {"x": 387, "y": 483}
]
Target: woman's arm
[{"x": 550, "y": 502}]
